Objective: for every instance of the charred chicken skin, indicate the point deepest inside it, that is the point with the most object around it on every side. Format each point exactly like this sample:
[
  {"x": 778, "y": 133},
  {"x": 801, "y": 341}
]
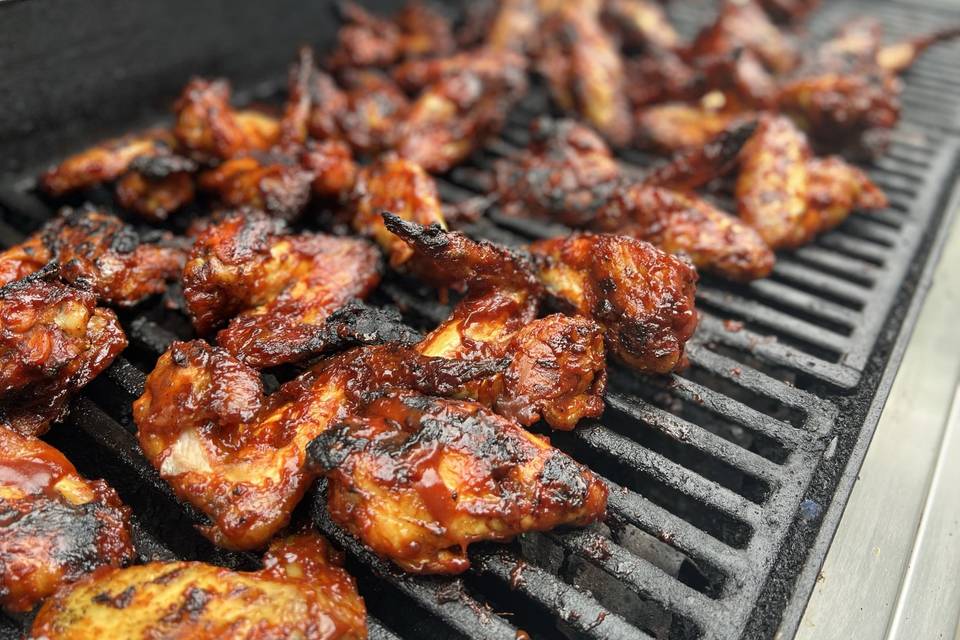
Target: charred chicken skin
[
  {"x": 97, "y": 251},
  {"x": 557, "y": 368},
  {"x": 642, "y": 297},
  {"x": 677, "y": 126},
  {"x": 274, "y": 288},
  {"x": 641, "y": 24},
  {"x": 238, "y": 455},
  {"x": 56, "y": 526},
  {"x": 742, "y": 24},
  {"x": 585, "y": 71},
  {"x": 301, "y": 592},
  {"x": 419, "y": 478},
  {"x": 53, "y": 341},
  {"x": 272, "y": 182},
  {"x": 788, "y": 196},
  {"x": 401, "y": 187},
  {"x": 569, "y": 175},
  {"x": 157, "y": 185}
]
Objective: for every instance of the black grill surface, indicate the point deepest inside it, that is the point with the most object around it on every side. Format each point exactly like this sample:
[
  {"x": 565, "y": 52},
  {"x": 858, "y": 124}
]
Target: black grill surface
[{"x": 726, "y": 481}]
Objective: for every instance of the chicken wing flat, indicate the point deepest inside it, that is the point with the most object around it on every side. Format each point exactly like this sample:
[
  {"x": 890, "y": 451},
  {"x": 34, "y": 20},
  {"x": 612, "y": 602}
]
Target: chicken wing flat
[
  {"x": 275, "y": 288},
  {"x": 211, "y": 129},
  {"x": 273, "y": 182},
  {"x": 642, "y": 297},
  {"x": 419, "y": 478},
  {"x": 898, "y": 57},
  {"x": 237, "y": 455},
  {"x": 53, "y": 341},
  {"x": 157, "y": 185},
  {"x": 302, "y": 592},
  {"x": 97, "y": 251},
  {"x": 56, "y": 526},
  {"x": 641, "y": 24},
  {"x": 675, "y": 126},
  {"x": 104, "y": 162},
  {"x": 742, "y": 24},
  {"x": 790, "y": 197},
  {"x": 585, "y": 71},
  {"x": 456, "y": 114},
  {"x": 557, "y": 368},
  {"x": 401, "y": 187}
]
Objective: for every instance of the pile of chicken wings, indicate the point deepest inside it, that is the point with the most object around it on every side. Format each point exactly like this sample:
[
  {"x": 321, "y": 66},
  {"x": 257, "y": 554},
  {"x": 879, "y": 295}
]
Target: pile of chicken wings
[{"x": 277, "y": 224}]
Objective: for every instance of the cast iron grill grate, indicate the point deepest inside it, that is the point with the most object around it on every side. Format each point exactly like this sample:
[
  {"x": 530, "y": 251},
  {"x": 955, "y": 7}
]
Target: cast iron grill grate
[{"x": 718, "y": 476}]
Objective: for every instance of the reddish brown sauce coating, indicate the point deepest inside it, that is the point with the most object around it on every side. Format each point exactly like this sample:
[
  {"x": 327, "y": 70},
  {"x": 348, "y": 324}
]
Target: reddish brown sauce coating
[
  {"x": 53, "y": 341},
  {"x": 418, "y": 479},
  {"x": 97, "y": 251},
  {"x": 274, "y": 288},
  {"x": 55, "y": 526}
]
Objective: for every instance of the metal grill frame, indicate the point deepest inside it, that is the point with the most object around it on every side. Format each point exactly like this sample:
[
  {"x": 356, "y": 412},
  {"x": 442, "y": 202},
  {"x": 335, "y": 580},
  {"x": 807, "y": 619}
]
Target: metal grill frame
[{"x": 834, "y": 414}]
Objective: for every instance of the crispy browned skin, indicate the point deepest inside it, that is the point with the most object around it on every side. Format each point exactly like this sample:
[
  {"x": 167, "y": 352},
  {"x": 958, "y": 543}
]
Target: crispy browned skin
[
  {"x": 275, "y": 288},
  {"x": 674, "y": 126},
  {"x": 367, "y": 40},
  {"x": 660, "y": 76},
  {"x": 736, "y": 83},
  {"x": 237, "y": 455},
  {"x": 488, "y": 62},
  {"x": 400, "y": 187},
  {"x": 641, "y": 24},
  {"x": 742, "y": 24},
  {"x": 642, "y": 297},
  {"x": 513, "y": 26},
  {"x": 418, "y": 479},
  {"x": 585, "y": 71},
  {"x": 157, "y": 185},
  {"x": 332, "y": 166},
  {"x": 210, "y": 128},
  {"x": 53, "y": 341},
  {"x": 557, "y": 366},
  {"x": 273, "y": 182},
  {"x": 302, "y": 592},
  {"x": 789, "y": 196},
  {"x": 456, "y": 114},
  {"x": 104, "y": 162},
  {"x": 313, "y": 104},
  {"x": 55, "y": 526},
  {"x": 97, "y": 251},
  {"x": 569, "y": 175},
  {"x": 375, "y": 108}
]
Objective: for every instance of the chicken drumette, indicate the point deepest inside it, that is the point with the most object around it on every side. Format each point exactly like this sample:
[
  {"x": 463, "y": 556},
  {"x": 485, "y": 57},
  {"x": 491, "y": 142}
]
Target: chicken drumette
[
  {"x": 97, "y": 251},
  {"x": 53, "y": 341},
  {"x": 274, "y": 288},
  {"x": 55, "y": 526},
  {"x": 419, "y": 478},
  {"x": 557, "y": 368},
  {"x": 302, "y": 592}
]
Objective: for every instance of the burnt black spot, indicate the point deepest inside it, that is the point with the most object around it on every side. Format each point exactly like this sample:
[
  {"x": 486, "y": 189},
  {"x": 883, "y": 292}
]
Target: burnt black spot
[{"x": 120, "y": 601}]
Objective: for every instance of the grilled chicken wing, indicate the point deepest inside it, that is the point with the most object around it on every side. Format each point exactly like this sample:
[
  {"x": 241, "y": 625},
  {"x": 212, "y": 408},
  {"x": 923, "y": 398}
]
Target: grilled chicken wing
[
  {"x": 273, "y": 182},
  {"x": 157, "y": 185},
  {"x": 56, "y": 526},
  {"x": 237, "y": 455},
  {"x": 557, "y": 368},
  {"x": 660, "y": 76},
  {"x": 790, "y": 197},
  {"x": 104, "y": 162},
  {"x": 372, "y": 41},
  {"x": 211, "y": 129},
  {"x": 401, "y": 187},
  {"x": 419, "y": 478},
  {"x": 513, "y": 26},
  {"x": 642, "y": 24},
  {"x": 456, "y": 114},
  {"x": 487, "y": 62},
  {"x": 898, "y": 57},
  {"x": 302, "y": 592},
  {"x": 676, "y": 126},
  {"x": 742, "y": 24},
  {"x": 376, "y": 108},
  {"x": 53, "y": 341},
  {"x": 642, "y": 297},
  {"x": 569, "y": 175},
  {"x": 97, "y": 251},
  {"x": 585, "y": 71},
  {"x": 275, "y": 288}
]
